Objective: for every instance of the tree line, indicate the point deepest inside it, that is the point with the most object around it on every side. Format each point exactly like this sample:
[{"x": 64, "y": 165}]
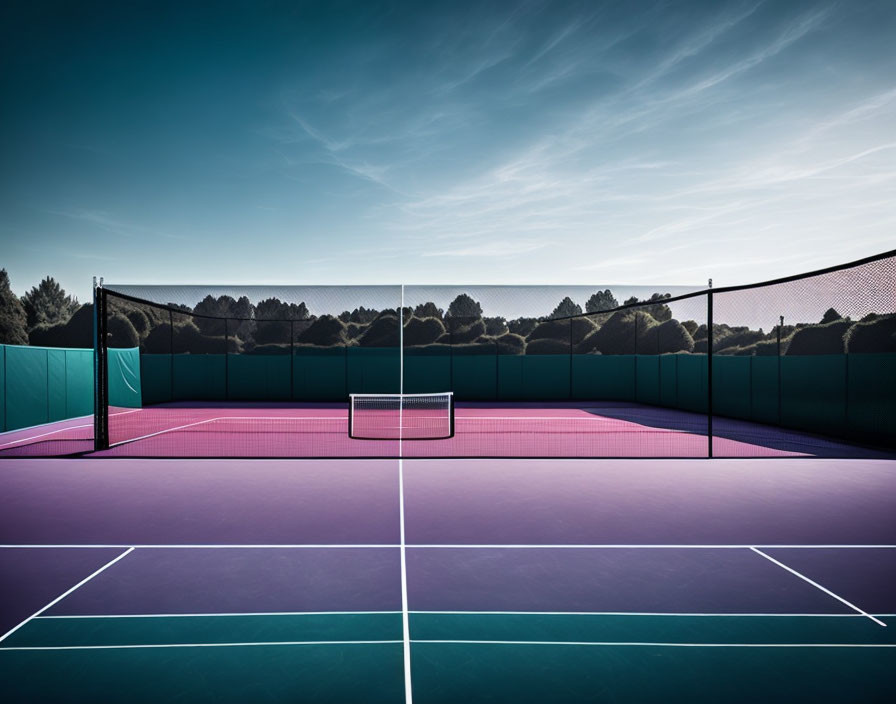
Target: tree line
[{"x": 47, "y": 316}]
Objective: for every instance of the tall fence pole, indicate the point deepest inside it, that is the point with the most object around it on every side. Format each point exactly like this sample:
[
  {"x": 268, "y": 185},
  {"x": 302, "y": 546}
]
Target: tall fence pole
[
  {"x": 101, "y": 379},
  {"x": 709, "y": 341},
  {"x": 780, "y": 325},
  {"x": 226, "y": 362}
]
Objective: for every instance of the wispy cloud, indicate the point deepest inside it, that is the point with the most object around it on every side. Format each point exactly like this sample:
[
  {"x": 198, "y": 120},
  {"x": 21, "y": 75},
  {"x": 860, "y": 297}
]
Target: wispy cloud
[{"x": 491, "y": 249}]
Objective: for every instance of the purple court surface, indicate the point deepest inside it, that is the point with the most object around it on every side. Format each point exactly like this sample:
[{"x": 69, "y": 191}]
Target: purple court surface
[{"x": 232, "y": 556}]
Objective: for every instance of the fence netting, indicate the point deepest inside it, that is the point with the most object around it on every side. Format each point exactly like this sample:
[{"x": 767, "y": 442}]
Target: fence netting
[{"x": 803, "y": 366}]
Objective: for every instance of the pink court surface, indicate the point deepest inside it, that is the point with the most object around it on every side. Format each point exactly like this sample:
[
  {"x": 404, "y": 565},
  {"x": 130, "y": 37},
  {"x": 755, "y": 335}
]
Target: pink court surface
[{"x": 561, "y": 430}]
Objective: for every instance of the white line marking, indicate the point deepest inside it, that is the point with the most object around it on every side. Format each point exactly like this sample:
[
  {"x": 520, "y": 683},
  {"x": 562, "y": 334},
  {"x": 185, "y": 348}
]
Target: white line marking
[
  {"x": 662, "y": 645},
  {"x": 635, "y": 613},
  {"x": 462, "y": 613},
  {"x": 405, "y": 619},
  {"x": 818, "y": 586},
  {"x": 199, "y": 645},
  {"x": 65, "y": 594},
  {"x": 161, "y": 432},
  {"x": 213, "y": 546},
  {"x": 31, "y": 438},
  {"x": 57, "y": 430},
  {"x": 440, "y": 546},
  {"x": 243, "y": 613}
]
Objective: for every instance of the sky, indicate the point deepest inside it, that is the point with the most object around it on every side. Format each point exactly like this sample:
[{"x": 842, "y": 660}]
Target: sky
[{"x": 593, "y": 143}]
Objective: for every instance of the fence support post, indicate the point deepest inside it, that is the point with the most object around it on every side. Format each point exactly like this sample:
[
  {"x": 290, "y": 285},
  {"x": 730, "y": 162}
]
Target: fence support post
[{"x": 709, "y": 342}]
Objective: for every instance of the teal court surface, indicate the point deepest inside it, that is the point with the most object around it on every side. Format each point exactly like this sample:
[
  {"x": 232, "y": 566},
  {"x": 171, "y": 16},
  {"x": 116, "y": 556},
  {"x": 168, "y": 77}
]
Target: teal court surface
[{"x": 135, "y": 580}]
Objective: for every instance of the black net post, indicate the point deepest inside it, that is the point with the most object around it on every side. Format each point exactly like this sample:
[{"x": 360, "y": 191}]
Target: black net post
[
  {"x": 709, "y": 339},
  {"x": 101, "y": 372}
]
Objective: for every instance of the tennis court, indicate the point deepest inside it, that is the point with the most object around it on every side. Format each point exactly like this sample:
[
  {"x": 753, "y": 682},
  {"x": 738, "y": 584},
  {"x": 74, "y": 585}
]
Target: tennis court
[
  {"x": 523, "y": 580},
  {"x": 407, "y": 494}
]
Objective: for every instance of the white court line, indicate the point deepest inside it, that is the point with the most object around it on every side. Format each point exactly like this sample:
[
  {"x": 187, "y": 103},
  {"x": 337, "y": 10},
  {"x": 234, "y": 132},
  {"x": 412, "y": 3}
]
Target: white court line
[
  {"x": 460, "y": 613},
  {"x": 243, "y": 613},
  {"x": 199, "y": 645},
  {"x": 161, "y": 432},
  {"x": 65, "y": 594},
  {"x": 641, "y": 644},
  {"x": 638, "y": 644},
  {"x": 31, "y": 438},
  {"x": 405, "y": 619},
  {"x": 445, "y": 546},
  {"x": 817, "y": 585}
]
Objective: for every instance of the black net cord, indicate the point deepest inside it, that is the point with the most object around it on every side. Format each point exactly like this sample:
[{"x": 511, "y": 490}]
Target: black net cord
[
  {"x": 101, "y": 376},
  {"x": 709, "y": 340}
]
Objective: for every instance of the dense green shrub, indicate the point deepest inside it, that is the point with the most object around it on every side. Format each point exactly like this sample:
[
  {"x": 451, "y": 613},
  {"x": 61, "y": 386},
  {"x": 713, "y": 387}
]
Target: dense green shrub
[
  {"x": 423, "y": 331},
  {"x": 510, "y": 343},
  {"x": 819, "y": 339},
  {"x": 663, "y": 338},
  {"x": 547, "y": 346},
  {"x": 465, "y": 330},
  {"x": 876, "y": 336},
  {"x": 382, "y": 332},
  {"x": 326, "y": 331},
  {"x": 121, "y": 332}
]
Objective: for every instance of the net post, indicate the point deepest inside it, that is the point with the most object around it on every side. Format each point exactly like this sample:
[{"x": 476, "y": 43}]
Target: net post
[
  {"x": 351, "y": 416},
  {"x": 709, "y": 342},
  {"x": 450, "y": 414},
  {"x": 101, "y": 370}
]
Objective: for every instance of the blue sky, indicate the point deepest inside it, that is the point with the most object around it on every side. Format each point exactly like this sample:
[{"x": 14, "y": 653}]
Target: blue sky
[{"x": 491, "y": 143}]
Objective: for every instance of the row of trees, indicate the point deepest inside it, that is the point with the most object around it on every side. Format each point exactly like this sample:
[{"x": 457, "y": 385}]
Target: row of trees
[
  {"x": 43, "y": 306},
  {"x": 47, "y": 316}
]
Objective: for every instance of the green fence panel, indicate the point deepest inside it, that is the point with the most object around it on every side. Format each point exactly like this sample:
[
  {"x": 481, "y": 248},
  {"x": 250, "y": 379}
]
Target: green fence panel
[
  {"x": 3, "y": 426},
  {"x": 426, "y": 371},
  {"x": 603, "y": 377},
  {"x": 26, "y": 386},
  {"x": 692, "y": 382},
  {"x": 57, "y": 392},
  {"x": 79, "y": 382},
  {"x": 871, "y": 397},
  {"x": 320, "y": 374},
  {"x": 374, "y": 370},
  {"x": 124, "y": 378},
  {"x": 155, "y": 372},
  {"x": 813, "y": 392},
  {"x": 647, "y": 368},
  {"x": 546, "y": 376},
  {"x": 764, "y": 380},
  {"x": 510, "y": 378},
  {"x": 669, "y": 380},
  {"x": 474, "y": 377},
  {"x": 731, "y": 386},
  {"x": 199, "y": 377},
  {"x": 258, "y": 377}
]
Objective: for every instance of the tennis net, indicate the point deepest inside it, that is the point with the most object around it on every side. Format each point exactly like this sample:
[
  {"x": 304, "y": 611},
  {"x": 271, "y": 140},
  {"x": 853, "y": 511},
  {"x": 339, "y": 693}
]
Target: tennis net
[{"x": 401, "y": 416}]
